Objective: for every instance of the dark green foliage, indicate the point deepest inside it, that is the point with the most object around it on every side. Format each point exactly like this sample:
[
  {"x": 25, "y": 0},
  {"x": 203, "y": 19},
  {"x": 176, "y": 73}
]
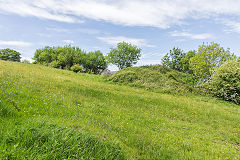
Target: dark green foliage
[
  {"x": 185, "y": 61},
  {"x": 76, "y": 68},
  {"x": 36, "y": 139},
  {"x": 172, "y": 59},
  {"x": 125, "y": 55},
  {"x": 9, "y": 55},
  {"x": 226, "y": 81},
  {"x": 178, "y": 60},
  {"x": 157, "y": 77},
  {"x": 65, "y": 57}
]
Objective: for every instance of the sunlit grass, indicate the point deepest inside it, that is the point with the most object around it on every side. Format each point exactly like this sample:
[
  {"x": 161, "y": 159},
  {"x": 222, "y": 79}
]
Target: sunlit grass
[{"x": 146, "y": 125}]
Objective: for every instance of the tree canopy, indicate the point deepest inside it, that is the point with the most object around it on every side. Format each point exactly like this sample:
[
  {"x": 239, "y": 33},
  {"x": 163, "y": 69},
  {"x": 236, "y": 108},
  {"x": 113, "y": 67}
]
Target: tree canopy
[
  {"x": 9, "y": 55},
  {"x": 67, "y": 56},
  {"x": 178, "y": 60},
  {"x": 125, "y": 55},
  {"x": 207, "y": 58}
]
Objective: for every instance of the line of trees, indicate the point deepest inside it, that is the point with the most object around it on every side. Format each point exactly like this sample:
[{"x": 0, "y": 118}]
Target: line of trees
[
  {"x": 68, "y": 57},
  {"x": 216, "y": 68},
  {"x": 78, "y": 60}
]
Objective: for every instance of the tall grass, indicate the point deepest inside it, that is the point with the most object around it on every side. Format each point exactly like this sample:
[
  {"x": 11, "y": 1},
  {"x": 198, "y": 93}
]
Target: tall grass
[{"x": 46, "y": 113}]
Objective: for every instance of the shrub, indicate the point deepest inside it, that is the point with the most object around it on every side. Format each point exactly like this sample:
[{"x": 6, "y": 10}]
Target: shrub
[
  {"x": 226, "y": 81},
  {"x": 124, "y": 76},
  {"x": 55, "y": 64},
  {"x": 76, "y": 68},
  {"x": 26, "y": 61}
]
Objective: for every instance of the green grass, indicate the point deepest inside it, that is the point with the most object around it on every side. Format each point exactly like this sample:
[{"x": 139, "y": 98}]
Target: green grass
[
  {"x": 47, "y": 113},
  {"x": 157, "y": 78}
]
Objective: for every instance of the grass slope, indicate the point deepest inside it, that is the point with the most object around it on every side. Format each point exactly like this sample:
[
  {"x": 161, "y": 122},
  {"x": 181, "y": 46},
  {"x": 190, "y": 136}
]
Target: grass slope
[
  {"x": 47, "y": 113},
  {"x": 157, "y": 78}
]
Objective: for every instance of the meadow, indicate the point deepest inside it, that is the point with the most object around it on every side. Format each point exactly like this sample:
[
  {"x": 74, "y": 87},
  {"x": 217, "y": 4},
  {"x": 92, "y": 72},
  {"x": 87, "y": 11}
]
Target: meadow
[{"x": 48, "y": 113}]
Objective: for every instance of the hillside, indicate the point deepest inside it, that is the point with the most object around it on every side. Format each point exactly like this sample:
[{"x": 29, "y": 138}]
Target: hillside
[
  {"x": 48, "y": 113},
  {"x": 157, "y": 78}
]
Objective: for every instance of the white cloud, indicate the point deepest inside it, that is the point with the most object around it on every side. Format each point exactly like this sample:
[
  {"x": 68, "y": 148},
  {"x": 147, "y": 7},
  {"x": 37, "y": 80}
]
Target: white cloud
[
  {"x": 233, "y": 26},
  {"x": 156, "y": 13},
  {"x": 15, "y": 43},
  {"x": 190, "y": 35},
  {"x": 39, "y": 9},
  {"x": 79, "y": 30},
  {"x": 68, "y": 41},
  {"x": 117, "y": 39},
  {"x": 57, "y": 29},
  {"x": 27, "y": 58}
]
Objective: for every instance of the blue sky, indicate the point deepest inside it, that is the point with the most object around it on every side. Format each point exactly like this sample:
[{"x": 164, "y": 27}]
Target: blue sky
[{"x": 156, "y": 26}]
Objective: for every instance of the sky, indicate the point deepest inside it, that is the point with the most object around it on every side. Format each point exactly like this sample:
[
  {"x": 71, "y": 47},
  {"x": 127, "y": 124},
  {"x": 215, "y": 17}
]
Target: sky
[{"x": 155, "y": 26}]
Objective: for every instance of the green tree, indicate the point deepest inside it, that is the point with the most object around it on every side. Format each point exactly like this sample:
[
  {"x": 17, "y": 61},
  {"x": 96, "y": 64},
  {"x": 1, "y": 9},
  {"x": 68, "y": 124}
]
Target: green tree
[
  {"x": 95, "y": 62},
  {"x": 185, "y": 61},
  {"x": 125, "y": 55},
  {"x": 207, "y": 58},
  {"x": 9, "y": 55},
  {"x": 226, "y": 81},
  {"x": 66, "y": 56},
  {"x": 173, "y": 59}
]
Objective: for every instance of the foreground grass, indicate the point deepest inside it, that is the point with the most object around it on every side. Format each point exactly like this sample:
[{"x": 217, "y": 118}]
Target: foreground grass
[{"x": 55, "y": 114}]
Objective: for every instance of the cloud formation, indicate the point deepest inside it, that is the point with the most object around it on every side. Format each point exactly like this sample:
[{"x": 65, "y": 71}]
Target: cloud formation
[
  {"x": 68, "y": 41},
  {"x": 156, "y": 13},
  {"x": 117, "y": 39},
  {"x": 233, "y": 26},
  {"x": 190, "y": 35},
  {"x": 15, "y": 43}
]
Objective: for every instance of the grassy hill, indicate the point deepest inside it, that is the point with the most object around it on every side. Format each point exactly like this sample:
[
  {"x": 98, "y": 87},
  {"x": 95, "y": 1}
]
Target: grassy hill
[
  {"x": 47, "y": 113},
  {"x": 157, "y": 78}
]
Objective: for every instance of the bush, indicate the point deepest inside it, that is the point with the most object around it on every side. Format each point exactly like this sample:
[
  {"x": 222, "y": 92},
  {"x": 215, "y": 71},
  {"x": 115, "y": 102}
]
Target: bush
[
  {"x": 55, "y": 64},
  {"x": 76, "y": 68},
  {"x": 226, "y": 81},
  {"x": 26, "y": 61},
  {"x": 125, "y": 76}
]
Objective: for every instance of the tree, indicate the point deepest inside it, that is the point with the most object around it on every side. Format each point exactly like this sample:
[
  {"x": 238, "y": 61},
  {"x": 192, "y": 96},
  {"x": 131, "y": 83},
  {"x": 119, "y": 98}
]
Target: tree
[
  {"x": 125, "y": 55},
  {"x": 185, "y": 61},
  {"x": 95, "y": 62},
  {"x": 9, "y": 55},
  {"x": 226, "y": 81},
  {"x": 207, "y": 58},
  {"x": 178, "y": 60},
  {"x": 173, "y": 59}
]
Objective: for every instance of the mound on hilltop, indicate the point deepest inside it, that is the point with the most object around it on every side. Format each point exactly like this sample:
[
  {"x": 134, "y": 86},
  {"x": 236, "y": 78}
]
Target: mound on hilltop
[{"x": 158, "y": 78}]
